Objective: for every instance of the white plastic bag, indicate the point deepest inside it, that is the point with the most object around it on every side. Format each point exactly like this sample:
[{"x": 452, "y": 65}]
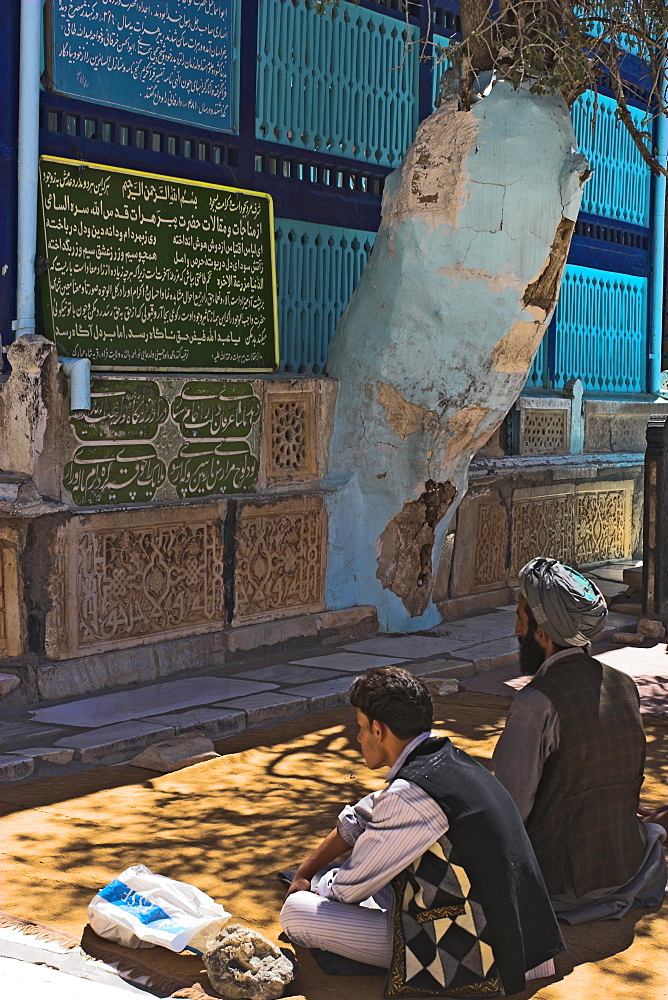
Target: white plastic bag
[{"x": 139, "y": 910}]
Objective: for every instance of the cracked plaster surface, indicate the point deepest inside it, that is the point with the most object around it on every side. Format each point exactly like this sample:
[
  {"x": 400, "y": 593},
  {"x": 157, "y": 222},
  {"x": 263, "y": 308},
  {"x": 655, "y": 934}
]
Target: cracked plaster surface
[{"x": 437, "y": 341}]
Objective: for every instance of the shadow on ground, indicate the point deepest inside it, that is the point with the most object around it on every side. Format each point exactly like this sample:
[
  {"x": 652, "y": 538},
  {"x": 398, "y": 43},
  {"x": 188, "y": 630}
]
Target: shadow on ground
[{"x": 230, "y": 824}]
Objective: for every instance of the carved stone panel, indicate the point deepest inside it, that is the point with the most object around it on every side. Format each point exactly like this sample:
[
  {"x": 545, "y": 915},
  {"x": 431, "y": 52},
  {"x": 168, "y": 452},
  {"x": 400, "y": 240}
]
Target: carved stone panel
[
  {"x": 3, "y": 626},
  {"x": 542, "y": 526},
  {"x": 544, "y": 432},
  {"x": 290, "y": 436},
  {"x": 163, "y": 439},
  {"x": 603, "y": 523},
  {"x": 491, "y": 544},
  {"x": 577, "y": 524},
  {"x": 280, "y": 559},
  {"x": 12, "y": 610},
  {"x": 137, "y": 577}
]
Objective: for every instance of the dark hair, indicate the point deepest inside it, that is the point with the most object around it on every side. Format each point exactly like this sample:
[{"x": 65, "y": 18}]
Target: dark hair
[{"x": 393, "y": 696}]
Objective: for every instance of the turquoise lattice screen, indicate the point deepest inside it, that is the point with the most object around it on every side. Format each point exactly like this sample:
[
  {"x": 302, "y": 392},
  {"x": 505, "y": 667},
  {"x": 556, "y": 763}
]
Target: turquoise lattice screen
[
  {"x": 601, "y": 331},
  {"x": 317, "y": 269},
  {"x": 344, "y": 81},
  {"x": 439, "y": 64},
  {"x": 620, "y": 185}
]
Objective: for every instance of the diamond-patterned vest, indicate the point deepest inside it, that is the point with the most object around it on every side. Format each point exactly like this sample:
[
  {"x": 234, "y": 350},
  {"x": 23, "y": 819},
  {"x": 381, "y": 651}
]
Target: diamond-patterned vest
[
  {"x": 472, "y": 913},
  {"x": 584, "y": 825}
]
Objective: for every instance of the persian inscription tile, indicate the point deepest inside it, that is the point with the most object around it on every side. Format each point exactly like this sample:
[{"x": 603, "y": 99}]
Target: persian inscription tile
[
  {"x": 127, "y": 409},
  {"x": 163, "y": 439},
  {"x": 491, "y": 544},
  {"x": 290, "y": 436},
  {"x": 280, "y": 559},
  {"x": 114, "y": 473},
  {"x": 216, "y": 410},
  {"x": 157, "y": 576},
  {"x": 203, "y": 468}
]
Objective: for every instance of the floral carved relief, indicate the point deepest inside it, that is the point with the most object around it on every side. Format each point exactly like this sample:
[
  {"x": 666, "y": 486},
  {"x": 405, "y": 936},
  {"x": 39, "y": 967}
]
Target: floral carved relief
[{"x": 280, "y": 559}]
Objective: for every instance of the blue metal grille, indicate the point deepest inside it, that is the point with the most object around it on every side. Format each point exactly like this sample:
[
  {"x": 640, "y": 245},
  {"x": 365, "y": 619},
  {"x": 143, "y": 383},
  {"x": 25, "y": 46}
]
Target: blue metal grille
[
  {"x": 538, "y": 375},
  {"x": 439, "y": 64},
  {"x": 317, "y": 268},
  {"x": 342, "y": 81},
  {"x": 601, "y": 330},
  {"x": 620, "y": 187}
]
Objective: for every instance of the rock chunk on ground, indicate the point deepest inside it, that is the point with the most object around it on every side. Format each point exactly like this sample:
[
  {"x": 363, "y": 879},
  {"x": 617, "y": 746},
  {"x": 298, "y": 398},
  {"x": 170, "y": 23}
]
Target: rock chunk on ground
[
  {"x": 439, "y": 686},
  {"x": 172, "y": 755},
  {"x": 629, "y": 638},
  {"x": 651, "y": 628},
  {"x": 244, "y": 963}
]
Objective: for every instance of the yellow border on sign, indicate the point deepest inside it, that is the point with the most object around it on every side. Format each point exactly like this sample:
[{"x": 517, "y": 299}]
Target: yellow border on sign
[{"x": 203, "y": 184}]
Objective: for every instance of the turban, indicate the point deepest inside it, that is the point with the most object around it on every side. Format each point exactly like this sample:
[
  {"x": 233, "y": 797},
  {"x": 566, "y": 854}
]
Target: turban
[{"x": 564, "y": 603}]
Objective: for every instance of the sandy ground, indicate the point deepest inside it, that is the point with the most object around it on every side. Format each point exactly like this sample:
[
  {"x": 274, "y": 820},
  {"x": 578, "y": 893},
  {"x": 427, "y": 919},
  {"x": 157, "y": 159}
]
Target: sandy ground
[{"x": 228, "y": 825}]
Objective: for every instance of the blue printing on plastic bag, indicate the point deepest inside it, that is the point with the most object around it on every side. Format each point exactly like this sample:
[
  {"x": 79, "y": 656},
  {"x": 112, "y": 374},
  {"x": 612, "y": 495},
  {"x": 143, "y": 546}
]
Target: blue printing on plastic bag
[{"x": 143, "y": 909}]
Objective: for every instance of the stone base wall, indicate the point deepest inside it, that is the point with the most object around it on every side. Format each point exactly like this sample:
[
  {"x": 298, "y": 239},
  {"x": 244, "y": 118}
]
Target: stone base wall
[
  {"x": 581, "y": 513},
  {"x": 176, "y": 506}
]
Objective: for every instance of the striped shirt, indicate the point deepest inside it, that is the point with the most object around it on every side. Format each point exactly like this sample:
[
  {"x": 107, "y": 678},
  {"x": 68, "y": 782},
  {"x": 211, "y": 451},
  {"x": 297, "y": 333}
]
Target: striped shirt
[{"x": 387, "y": 830}]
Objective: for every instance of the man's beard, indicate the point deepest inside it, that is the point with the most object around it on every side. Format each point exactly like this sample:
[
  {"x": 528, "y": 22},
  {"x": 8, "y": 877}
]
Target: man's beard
[{"x": 532, "y": 655}]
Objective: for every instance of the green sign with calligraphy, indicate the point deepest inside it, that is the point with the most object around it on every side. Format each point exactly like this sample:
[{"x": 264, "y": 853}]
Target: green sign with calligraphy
[{"x": 149, "y": 273}]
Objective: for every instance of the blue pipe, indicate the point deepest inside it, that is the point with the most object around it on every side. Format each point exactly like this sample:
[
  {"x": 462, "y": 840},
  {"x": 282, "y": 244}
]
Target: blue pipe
[
  {"x": 658, "y": 254},
  {"x": 28, "y": 164}
]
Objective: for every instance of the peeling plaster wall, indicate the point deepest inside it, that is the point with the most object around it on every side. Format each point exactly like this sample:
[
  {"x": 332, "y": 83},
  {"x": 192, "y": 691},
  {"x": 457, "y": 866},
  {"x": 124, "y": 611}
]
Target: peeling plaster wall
[{"x": 437, "y": 341}]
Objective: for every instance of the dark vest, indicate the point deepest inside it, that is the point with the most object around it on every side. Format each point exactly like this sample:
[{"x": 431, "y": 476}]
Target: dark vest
[
  {"x": 476, "y": 896},
  {"x": 583, "y": 825}
]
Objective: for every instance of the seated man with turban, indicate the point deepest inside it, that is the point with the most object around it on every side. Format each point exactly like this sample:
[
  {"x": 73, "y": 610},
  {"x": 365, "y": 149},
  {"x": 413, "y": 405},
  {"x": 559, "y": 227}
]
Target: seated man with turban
[{"x": 572, "y": 755}]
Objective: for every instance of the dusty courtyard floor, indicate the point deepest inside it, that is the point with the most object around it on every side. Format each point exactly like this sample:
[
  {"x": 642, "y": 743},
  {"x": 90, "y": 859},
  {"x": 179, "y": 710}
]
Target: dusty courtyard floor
[{"x": 228, "y": 825}]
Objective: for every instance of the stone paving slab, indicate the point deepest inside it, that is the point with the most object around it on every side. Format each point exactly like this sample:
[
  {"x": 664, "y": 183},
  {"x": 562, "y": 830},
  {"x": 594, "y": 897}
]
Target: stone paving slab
[
  {"x": 493, "y": 655},
  {"x": 654, "y": 659},
  {"x": 325, "y": 694},
  {"x": 357, "y": 663},
  {"x": 269, "y": 706},
  {"x": 15, "y": 767},
  {"x": 485, "y": 628},
  {"x": 15, "y": 735},
  {"x": 156, "y": 699},
  {"x": 112, "y": 744},
  {"x": 445, "y": 667},
  {"x": 287, "y": 673},
  {"x": 214, "y": 722},
  {"x": 50, "y": 755},
  {"x": 410, "y": 646}
]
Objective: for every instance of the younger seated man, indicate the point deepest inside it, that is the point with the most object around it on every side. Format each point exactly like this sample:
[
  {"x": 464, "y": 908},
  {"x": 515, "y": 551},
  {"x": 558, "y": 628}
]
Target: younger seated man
[{"x": 459, "y": 905}]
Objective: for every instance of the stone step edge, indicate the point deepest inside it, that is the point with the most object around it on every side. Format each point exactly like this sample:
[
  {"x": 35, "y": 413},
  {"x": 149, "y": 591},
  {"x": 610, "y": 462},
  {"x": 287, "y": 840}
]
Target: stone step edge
[
  {"x": 22, "y": 770},
  {"x": 96, "y": 673}
]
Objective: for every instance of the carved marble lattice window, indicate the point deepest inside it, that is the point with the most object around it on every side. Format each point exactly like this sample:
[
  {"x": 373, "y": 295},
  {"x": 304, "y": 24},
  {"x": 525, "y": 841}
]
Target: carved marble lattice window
[
  {"x": 147, "y": 580},
  {"x": 491, "y": 544},
  {"x": 290, "y": 441},
  {"x": 544, "y": 432}
]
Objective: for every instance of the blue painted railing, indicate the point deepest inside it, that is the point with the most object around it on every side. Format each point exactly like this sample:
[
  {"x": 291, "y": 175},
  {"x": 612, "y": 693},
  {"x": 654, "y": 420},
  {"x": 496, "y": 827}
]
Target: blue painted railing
[
  {"x": 439, "y": 64},
  {"x": 601, "y": 331},
  {"x": 620, "y": 185},
  {"x": 317, "y": 269},
  {"x": 343, "y": 81}
]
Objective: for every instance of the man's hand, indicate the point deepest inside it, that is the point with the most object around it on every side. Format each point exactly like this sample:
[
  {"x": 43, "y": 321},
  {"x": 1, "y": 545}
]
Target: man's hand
[
  {"x": 299, "y": 885},
  {"x": 332, "y": 847}
]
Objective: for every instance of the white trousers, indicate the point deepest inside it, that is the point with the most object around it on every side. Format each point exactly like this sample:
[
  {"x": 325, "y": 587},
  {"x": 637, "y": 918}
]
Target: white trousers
[
  {"x": 353, "y": 931},
  {"x": 347, "y": 929}
]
